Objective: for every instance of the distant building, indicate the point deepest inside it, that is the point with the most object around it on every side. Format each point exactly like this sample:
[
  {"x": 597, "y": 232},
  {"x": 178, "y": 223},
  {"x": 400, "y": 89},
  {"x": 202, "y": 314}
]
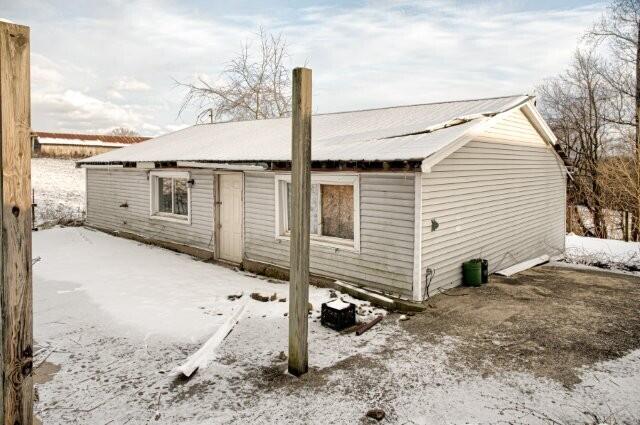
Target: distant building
[{"x": 73, "y": 145}]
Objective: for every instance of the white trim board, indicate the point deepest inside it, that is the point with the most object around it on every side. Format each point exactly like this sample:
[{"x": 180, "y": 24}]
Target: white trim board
[
  {"x": 221, "y": 166},
  {"x": 417, "y": 239},
  {"x": 101, "y": 166}
]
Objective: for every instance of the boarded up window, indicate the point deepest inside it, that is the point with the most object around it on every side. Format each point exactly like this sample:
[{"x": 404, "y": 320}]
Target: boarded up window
[{"x": 337, "y": 211}]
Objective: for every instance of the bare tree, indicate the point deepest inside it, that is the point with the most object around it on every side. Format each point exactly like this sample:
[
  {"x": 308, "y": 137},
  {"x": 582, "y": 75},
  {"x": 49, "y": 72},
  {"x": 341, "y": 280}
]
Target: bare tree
[
  {"x": 123, "y": 131},
  {"x": 620, "y": 29},
  {"x": 575, "y": 105},
  {"x": 254, "y": 85}
]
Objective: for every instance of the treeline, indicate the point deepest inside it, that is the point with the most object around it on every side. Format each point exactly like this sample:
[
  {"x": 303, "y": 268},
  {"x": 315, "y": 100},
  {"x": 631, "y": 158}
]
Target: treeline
[{"x": 593, "y": 108}]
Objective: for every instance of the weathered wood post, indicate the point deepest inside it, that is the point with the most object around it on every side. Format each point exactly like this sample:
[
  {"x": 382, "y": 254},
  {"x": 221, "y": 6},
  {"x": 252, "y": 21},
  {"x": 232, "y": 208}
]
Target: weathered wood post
[
  {"x": 300, "y": 205},
  {"x": 15, "y": 232}
]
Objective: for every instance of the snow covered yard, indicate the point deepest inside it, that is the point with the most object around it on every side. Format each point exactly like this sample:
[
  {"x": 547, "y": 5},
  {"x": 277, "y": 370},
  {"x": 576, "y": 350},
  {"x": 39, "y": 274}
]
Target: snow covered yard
[
  {"x": 113, "y": 317},
  {"x": 602, "y": 253},
  {"x": 59, "y": 190}
]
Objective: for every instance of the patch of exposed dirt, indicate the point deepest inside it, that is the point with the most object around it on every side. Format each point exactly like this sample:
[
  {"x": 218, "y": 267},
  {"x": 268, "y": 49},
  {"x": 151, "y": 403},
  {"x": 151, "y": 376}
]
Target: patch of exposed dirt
[
  {"x": 274, "y": 376},
  {"x": 548, "y": 321},
  {"x": 45, "y": 372}
]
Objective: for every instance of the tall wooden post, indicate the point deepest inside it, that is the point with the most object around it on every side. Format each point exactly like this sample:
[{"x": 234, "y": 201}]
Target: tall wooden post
[
  {"x": 300, "y": 206},
  {"x": 15, "y": 232}
]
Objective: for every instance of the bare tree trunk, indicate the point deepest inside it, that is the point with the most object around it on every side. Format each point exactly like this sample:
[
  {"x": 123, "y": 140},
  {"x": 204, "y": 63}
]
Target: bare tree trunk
[
  {"x": 625, "y": 225},
  {"x": 582, "y": 229},
  {"x": 600, "y": 223}
]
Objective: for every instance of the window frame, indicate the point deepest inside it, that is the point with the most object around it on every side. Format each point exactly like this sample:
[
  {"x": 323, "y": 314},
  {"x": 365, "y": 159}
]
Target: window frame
[
  {"x": 342, "y": 179},
  {"x": 154, "y": 212}
]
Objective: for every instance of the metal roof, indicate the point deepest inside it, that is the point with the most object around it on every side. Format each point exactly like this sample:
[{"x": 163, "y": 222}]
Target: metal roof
[{"x": 387, "y": 134}]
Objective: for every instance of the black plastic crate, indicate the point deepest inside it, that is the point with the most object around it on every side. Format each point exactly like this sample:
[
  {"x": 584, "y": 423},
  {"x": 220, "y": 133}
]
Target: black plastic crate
[
  {"x": 485, "y": 271},
  {"x": 336, "y": 318}
]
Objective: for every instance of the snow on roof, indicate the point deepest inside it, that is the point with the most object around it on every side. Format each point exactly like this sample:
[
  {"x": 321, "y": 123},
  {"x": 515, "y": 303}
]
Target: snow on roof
[{"x": 386, "y": 134}]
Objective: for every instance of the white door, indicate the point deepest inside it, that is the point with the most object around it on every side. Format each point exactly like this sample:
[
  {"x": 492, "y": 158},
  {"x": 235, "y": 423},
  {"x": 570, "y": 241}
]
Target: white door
[{"x": 230, "y": 229}]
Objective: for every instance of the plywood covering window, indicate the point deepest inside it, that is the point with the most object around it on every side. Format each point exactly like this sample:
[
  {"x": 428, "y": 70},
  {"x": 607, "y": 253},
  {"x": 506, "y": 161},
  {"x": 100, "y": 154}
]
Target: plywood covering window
[
  {"x": 170, "y": 195},
  {"x": 334, "y": 213}
]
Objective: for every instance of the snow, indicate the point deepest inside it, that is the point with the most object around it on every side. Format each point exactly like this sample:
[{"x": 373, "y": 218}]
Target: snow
[
  {"x": 338, "y": 304},
  {"x": 81, "y": 142},
  {"x": 118, "y": 316},
  {"x": 59, "y": 190},
  {"x": 607, "y": 253},
  {"x": 356, "y": 135},
  {"x": 165, "y": 296},
  {"x": 613, "y": 220}
]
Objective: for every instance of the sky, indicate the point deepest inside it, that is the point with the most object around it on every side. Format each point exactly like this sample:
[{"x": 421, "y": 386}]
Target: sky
[{"x": 101, "y": 64}]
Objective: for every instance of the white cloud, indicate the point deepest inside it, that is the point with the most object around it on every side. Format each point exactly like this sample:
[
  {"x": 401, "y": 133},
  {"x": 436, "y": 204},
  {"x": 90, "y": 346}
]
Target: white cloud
[
  {"x": 71, "y": 109},
  {"x": 130, "y": 84},
  {"x": 376, "y": 54},
  {"x": 407, "y": 52},
  {"x": 114, "y": 94}
]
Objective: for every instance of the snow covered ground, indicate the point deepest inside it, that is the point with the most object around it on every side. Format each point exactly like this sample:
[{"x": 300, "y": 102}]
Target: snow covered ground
[
  {"x": 113, "y": 317},
  {"x": 604, "y": 253},
  {"x": 59, "y": 190}
]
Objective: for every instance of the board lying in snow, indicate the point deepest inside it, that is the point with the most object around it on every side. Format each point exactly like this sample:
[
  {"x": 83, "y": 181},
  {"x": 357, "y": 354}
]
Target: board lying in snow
[
  {"x": 525, "y": 265},
  {"x": 202, "y": 357}
]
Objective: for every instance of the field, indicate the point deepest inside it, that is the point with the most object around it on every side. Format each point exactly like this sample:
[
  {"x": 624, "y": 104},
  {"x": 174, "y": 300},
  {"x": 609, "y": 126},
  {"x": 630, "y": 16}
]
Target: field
[{"x": 58, "y": 191}]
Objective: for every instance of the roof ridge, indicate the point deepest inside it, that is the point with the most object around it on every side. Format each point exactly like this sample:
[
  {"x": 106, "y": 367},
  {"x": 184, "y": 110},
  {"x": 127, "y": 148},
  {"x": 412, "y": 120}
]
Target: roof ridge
[
  {"x": 377, "y": 109},
  {"x": 422, "y": 104}
]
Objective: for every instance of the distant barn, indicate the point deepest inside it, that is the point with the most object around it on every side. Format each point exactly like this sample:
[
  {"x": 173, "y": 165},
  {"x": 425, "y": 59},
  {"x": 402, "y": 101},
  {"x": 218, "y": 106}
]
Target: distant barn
[
  {"x": 73, "y": 145},
  {"x": 401, "y": 196}
]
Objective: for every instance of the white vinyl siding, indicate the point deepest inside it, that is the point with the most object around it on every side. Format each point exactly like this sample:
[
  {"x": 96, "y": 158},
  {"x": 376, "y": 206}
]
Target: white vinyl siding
[
  {"x": 495, "y": 198},
  {"x": 385, "y": 260},
  {"x": 514, "y": 127},
  {"x": 108, "y": 189}
]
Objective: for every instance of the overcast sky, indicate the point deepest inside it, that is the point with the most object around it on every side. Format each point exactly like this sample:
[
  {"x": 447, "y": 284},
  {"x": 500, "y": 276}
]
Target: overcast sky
[{"x": 102, "y": 64}]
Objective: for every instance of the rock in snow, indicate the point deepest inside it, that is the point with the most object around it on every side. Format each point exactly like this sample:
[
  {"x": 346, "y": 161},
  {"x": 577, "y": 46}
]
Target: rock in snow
[{"x": 377, "y": 414}]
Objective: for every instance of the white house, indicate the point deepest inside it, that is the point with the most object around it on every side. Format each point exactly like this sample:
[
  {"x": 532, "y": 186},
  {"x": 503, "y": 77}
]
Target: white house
[{"x": 398, "y": 194}]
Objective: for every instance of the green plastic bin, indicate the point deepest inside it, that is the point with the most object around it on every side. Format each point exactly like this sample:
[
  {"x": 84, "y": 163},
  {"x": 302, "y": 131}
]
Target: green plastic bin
[{"x": 472, "y": 273}]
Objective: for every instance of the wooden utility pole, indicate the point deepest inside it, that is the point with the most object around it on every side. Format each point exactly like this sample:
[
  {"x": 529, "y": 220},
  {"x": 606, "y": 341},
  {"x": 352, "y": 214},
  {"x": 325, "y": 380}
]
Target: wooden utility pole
[
  {"x": 15, "y": 232},
  {"x": 300, "y": 206}
]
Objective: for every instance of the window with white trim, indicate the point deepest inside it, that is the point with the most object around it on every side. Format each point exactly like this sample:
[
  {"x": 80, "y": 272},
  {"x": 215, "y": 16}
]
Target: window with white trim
[
  {"x": 170, "y": 195},
  {"x": 335, "y": 209}
]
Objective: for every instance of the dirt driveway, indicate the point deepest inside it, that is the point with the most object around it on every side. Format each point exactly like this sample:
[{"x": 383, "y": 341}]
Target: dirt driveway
[{"x": 548, "y": 321}]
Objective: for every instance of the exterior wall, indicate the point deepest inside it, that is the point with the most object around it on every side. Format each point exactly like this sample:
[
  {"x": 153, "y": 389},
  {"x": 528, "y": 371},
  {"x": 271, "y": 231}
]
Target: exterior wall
[
  {"x": 385, "y": 260},
  {"x": 69, "y": 151},
  {"x": 108, "y": 189},
  {"x": 500, "y": 197}
]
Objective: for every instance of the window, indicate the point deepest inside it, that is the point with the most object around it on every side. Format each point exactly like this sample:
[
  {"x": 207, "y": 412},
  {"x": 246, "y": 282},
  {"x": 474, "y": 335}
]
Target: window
[
  {"x": 335, "y": 205},
  {"x": 170, "y": 195}
]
